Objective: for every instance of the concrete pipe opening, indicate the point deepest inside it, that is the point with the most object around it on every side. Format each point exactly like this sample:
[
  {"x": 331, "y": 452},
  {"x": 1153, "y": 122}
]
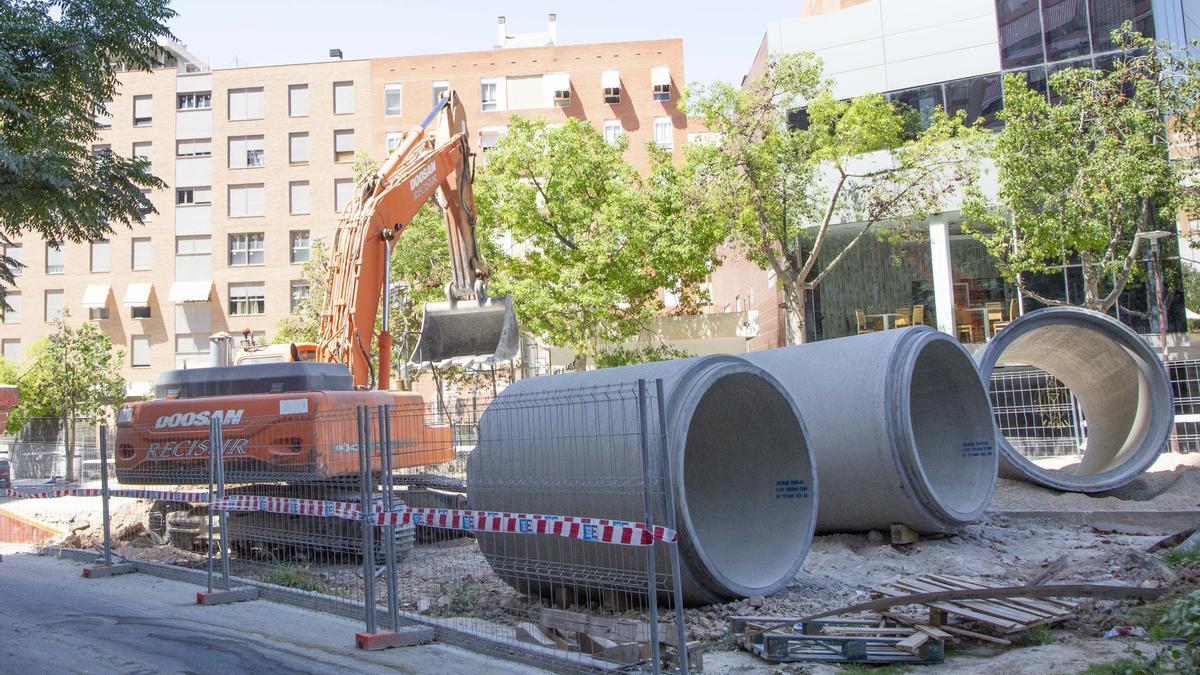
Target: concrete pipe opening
[
  {"x": 745, "y": 487},
  {"x": 743, "y": 523},
  {"x": 1122, "y": 389},
  {"x": 900, "y": 425}
]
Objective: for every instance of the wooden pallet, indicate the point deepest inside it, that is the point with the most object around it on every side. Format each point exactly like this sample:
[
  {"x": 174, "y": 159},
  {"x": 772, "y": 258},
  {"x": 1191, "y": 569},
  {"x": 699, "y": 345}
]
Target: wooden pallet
[
  {"x": 1008, "y": 615},
  {"x": 873, "y": 640}
]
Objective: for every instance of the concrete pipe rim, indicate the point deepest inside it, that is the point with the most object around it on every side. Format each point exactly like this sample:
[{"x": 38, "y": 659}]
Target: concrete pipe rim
[
  {"x": 939, "y": 497},
  {"x": 1149, "y": 366},
  {"x": 682, "y": 408}
]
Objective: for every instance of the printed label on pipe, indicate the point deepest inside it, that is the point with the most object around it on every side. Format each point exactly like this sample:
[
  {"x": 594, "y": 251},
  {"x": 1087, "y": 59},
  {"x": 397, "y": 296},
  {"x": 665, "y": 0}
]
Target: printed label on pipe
[
  {"x": 976, "y": 449},
  {"x": 791, "y": 489}
]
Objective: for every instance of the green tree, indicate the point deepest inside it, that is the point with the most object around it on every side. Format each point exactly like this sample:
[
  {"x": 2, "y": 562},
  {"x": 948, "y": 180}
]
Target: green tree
[
  {"x": 59, "y": 61},
  {"x": 780, "y": 189},
  {"x": 592, "y": 243},
  {"x": 305, "y": 324},
  {"x": 1081, "y": 178},
  {"x": 74, "y": 374}
]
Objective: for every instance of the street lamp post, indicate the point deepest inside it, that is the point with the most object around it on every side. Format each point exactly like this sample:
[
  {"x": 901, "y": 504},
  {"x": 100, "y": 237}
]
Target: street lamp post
[{"x": 1155, "y": 237}]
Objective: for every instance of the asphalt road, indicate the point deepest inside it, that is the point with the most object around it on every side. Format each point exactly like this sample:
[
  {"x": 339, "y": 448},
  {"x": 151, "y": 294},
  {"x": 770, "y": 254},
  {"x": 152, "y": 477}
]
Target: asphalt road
[{"x": 53, "y": 621}]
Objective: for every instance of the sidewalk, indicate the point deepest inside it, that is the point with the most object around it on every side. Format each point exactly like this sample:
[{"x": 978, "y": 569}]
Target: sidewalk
[{"x": 52, "y": 620}]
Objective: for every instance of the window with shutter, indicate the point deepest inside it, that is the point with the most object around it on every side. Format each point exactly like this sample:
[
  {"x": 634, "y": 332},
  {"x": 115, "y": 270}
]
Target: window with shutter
[{"x": 343, "y": 98}]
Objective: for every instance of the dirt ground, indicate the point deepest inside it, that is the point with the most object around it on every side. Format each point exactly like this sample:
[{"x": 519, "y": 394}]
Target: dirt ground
[{"x": 452, "y": 578}]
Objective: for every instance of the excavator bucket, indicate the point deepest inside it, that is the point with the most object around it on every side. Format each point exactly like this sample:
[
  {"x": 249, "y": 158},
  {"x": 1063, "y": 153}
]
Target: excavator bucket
[{"x": 467, "y": 331}]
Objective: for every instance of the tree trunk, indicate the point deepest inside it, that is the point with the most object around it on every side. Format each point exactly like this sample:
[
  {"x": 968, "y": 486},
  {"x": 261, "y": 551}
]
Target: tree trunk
[
  {"x": 70, "y": 446},
  {"x": 797, "y": 319}
]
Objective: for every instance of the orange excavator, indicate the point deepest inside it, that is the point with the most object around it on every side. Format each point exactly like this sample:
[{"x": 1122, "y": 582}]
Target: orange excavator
[{"x": 287, "y": 411}]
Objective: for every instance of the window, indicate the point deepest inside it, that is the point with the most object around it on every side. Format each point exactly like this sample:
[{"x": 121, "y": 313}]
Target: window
[
  {"x": 1020, "y": 28},
  {"x": 141, "y": 151},
  {"x": 921, "y": 99},
  {"x": 980, "y": 97},
  {"x": 441, "y": 89},
  {"x": 560, "y": 89},
  {"x": 147, "y": 209},
  {"x": 101, "y": 255},
  {"x": 298, "y": 147},
  {"x": 139, "y": 351},
  {"x": 193, "y": 245},
  {"x": 196, "y": 100},
  {"x": 300, "y": 246},
  {"x": 488, "y": 95},
  {"x": 10, "y": 349},
  {"x": 300, "y": 293},
  {"x": 391, "y": 100},
  {"x": 247, "y": 298},
  {"x": 1036, "y": 78},
  {"x": 245, "y": 200},
  {"x": 194, "y": 147},
  {"x": 612, "y": 131},
  {"x": 100, "y": 148},
  {"x": 525, "y": 92},
  {"x": 343, "y": 145},
  {"x": 660, "y": 81},
  {"x": 53, "y": 306},
  {"x": 140, "y": 253},
  {"x": 16, "y": 256},
  {"x": 193, "y": 196},
  {"x": 1108, "y": 15},
  {"x": 488, "y": 138},
  {"x": 191, "y": 343},
  {"x": 663, "y": 135},
  {"x": 97, "y": 313},
  {"x": 104, "y": 115},
  {"x": 12, "y": 313},
  {"x": 1065, "y": 24},
  {"x": 246, "y": 104},
  {"x": 143, "y": 111},
  {"x": 393, "y": 139},
  {"x": 610, "y": 83},
  {"x": 343, "y": 191},
  {"x": 245, "y": 151},
  {"x": 298, "y": 100},
  {"x": 298, "y": 202},
  {"x": 246, "y": 249},
  {"x": 343, "y": 98},
  {"x": 139, "y": 312},
  {"x": 54, "y": 259}
]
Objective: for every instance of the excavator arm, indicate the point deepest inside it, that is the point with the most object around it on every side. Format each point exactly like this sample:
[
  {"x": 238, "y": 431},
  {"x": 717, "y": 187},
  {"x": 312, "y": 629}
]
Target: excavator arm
[{"x": 430, "y": 161}]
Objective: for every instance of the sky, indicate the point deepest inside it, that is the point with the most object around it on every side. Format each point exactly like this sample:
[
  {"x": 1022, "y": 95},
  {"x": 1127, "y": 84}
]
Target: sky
[{"x": 720, "y": 38}]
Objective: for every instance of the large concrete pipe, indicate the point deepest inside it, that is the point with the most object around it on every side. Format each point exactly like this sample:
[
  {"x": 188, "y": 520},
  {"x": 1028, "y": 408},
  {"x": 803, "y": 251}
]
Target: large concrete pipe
[
  {"x": 1122, "y": 389},
  {"x": 744, "y": 482},
  {"x": 900, "y": 426}
]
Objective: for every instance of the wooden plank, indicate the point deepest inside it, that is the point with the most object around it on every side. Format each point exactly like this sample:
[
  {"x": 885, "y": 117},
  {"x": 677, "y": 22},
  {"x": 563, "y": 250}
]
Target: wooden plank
[
  {"x": 933, "y": 632},
  {"x": 1050, "y": 572},
  {"x": 617, "y": 630},
  {"x": 532, "y": 634},
  {"x": 1052, "y": 605},
  {"x": 913, "y": 644},
  {"x": 1050, "y": 610},
  {"x": 983, "y": 607}
]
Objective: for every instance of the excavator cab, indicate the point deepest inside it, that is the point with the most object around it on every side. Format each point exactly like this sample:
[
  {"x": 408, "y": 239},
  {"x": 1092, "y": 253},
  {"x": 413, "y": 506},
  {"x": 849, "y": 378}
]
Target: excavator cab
[{"x": 464, "y": 331}]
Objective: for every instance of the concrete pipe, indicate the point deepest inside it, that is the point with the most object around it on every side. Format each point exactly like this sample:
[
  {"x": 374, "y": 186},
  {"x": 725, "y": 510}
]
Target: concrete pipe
[
  {"x": 900, "y": 426},
  {"x": 744, "y": 484},
  {"x": 1120, "y": 383}
]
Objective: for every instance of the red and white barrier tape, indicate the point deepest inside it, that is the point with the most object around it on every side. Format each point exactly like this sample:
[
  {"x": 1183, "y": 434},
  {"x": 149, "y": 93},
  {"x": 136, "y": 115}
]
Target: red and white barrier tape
[{"x": 163, "y": 495}]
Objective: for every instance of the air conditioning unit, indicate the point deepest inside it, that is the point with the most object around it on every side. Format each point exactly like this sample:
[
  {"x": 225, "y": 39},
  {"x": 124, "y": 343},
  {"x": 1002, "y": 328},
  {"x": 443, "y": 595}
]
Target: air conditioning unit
[
  {"x": 612, "y": 94},
  {"x": 562, "y": 97}
]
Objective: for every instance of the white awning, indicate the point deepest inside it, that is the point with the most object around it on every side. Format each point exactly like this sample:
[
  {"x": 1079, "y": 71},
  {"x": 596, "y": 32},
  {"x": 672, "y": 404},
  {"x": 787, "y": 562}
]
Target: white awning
[
  {"x": 660, "y": 75},
  {"x": 138, "y": 295},
  {"x": 610, "y": 79},
  {"x": 190, "y": 291},
  {"x": 558, "y": 81},
  {"x": 96, "y": 296}
]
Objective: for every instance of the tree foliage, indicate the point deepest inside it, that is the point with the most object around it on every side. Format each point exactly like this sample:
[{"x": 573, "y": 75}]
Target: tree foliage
[
  {"x": 304, "y": 325},
  {"x": 59, "y": 61},
  {"x": 779, "y": 189},
  {"x": 1081, "y": 177},
  {"x": 74, "y": 373},
  {"x": 589, "y": 243}
]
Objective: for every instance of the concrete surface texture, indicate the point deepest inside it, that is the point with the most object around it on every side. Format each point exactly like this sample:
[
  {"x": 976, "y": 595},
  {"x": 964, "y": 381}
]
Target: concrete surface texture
[
  {"x": 900, "y": 426},
  {"x": 1120, "y": 384},
  {"x": 53, "y": 621},
  {"x": 736, "y": 446}
]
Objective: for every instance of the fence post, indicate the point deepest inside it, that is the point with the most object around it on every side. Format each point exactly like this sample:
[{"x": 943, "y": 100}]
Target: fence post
[
  {"x": 651, "y": 573},
  {"x": 389, "y": 555},
  {"x": 222, "y": 515},
  {"x": 214, "y": 433},
  {"x": 667, "y": 471},
  {"x": 104, "y": 512},
  {"x": 368, "y": 528}
]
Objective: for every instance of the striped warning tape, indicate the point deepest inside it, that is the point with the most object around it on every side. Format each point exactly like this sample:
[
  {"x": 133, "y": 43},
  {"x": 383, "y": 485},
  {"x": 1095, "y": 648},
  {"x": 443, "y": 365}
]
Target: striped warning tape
[
  {"x": 163, "y": 495},
  {"x": 601, "y": 530}
]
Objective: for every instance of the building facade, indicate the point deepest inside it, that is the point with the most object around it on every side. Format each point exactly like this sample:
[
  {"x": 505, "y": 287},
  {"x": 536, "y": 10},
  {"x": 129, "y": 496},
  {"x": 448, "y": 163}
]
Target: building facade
[
  {"x": 258, "y": 164},
  {"x": 953, "y": 54}
]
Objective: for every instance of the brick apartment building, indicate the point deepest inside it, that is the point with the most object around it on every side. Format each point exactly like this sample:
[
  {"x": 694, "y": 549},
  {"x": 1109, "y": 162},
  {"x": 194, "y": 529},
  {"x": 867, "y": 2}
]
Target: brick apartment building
[{"x": 257, "y": 163}]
